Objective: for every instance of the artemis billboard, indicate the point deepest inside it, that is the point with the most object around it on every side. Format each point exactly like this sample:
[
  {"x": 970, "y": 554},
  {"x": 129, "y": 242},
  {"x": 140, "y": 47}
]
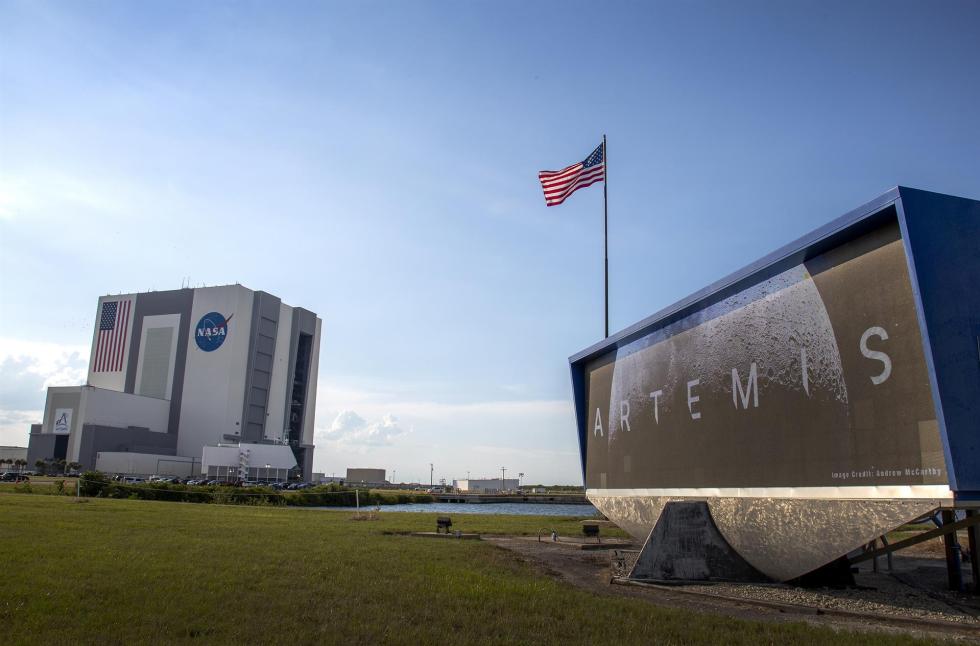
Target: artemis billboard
[{"x": 809, "y": 376}]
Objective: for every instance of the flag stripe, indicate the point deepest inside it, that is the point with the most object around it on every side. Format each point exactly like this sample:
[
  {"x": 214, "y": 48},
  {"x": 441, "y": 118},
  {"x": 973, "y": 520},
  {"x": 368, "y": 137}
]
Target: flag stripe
[
  {"x": 121, "y": 338},
  {"x": 546, "y": 184},
  {"x": 581, "y": 182},
  {"x": 556, "y": 174},
  {"x": 559, "y": 196},
  {"x": 557, "y": 185},
  {"x": 110, "y": 347},
  {"x": 557, "y": 201}
]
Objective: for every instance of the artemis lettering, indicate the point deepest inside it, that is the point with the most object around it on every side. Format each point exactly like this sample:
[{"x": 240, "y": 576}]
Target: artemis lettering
[{"x": 745, "y": 390}]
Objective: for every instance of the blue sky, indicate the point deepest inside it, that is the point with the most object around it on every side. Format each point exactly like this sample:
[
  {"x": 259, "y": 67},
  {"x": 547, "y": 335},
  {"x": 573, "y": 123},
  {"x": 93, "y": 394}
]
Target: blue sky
[{"x": 376, "y": 163}]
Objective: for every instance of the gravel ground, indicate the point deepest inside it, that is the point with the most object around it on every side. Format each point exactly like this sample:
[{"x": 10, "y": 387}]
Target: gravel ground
[
  {"x": 909, "y": 600},
  {"x": 914, "y": 589}
]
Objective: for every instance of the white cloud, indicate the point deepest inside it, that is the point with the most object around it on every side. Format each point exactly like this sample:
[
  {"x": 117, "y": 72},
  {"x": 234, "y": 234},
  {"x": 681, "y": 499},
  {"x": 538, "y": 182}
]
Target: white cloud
[
  {"x": 537, "y": 437},
  {"x": 349, "y": 428},
  {"x": 58, "y": 195},
  {"x": 15, "y": 425},
  {"x": 27, "y": 369}
]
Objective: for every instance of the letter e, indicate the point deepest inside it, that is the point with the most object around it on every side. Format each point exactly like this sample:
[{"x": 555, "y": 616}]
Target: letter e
[{"x": 692, "y": 399}]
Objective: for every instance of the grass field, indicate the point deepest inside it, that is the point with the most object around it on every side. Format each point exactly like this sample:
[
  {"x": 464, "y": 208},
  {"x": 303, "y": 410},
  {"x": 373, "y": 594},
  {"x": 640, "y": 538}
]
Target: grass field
[{"x": 122, "y": 572}]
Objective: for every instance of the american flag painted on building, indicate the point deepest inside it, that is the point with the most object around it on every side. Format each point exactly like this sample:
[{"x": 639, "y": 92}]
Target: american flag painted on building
[
  {"x": 110, "y": 347},
  {"x": 559, "y": 184}
]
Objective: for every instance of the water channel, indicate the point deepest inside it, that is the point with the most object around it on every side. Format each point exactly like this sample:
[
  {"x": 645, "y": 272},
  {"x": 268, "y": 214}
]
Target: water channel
[{"x": 501, "y": 508}]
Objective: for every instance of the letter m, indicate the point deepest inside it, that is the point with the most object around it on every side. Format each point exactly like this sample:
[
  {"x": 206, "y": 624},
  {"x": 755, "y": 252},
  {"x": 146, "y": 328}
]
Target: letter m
[{"x": 751, "y": 388}]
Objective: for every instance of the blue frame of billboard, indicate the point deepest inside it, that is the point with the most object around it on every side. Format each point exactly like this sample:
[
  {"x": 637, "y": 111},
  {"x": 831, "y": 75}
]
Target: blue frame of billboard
[{"x": 941, "y": 235}]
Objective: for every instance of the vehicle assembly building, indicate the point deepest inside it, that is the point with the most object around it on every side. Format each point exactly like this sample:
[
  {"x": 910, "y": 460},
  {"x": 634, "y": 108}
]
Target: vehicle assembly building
[
  {"x": 173, "y": 372},
  {"x": 803, "y": 406}
]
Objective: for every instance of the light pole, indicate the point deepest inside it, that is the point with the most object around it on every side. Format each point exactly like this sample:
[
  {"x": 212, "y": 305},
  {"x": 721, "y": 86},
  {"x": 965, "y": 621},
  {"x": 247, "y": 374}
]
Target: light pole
[
  {"x": 503, "y": 480},
  {"x": 431, "y": 470}
]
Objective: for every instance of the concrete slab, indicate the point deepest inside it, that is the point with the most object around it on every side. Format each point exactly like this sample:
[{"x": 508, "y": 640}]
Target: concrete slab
[{"x": 464, "y": 537}]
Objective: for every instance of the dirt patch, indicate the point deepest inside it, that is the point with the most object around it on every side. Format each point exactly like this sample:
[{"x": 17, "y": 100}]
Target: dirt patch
[{"x": 908, "y": 600}]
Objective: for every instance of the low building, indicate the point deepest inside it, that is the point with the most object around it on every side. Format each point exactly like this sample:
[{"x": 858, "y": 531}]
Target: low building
[
  {"x": 239, "y": 462},
  {"x": 9, "y": 456},
  {"x": 365, "y": 476},
  {"x": 489, "y": 485},
  {"x": 146, "y": 464}
]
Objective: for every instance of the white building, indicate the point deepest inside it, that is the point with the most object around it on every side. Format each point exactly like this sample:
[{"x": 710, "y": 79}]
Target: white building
[
  {"x": 489, "y": 485},
  {"x": 9, "y": 455},
  {"x": 174, "y": 372}
]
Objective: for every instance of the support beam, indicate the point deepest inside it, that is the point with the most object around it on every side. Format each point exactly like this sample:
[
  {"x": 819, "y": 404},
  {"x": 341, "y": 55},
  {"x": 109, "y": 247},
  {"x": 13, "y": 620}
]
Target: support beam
[
  {"x": 954, "y": 571},
  {"x": 972, "y": 533},
  {"x": 969, "y": 521}
]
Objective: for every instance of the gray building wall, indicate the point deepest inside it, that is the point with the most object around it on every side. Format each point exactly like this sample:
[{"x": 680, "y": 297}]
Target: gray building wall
[
  {"x": 177, "y": 301},
  {"x": 258, "y": 376},
  {"x": 365, "y": 475},
  {"x": 307, "y": 462},
  {"x": 58, "y": 400},
  {"x": 41, "y": 446},
  {"x": 96, "y": 439},
  {"x": 304, "y": 322}
]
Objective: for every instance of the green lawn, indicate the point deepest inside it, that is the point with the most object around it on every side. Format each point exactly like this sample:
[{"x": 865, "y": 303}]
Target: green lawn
[{"x": 122, "y": 572}]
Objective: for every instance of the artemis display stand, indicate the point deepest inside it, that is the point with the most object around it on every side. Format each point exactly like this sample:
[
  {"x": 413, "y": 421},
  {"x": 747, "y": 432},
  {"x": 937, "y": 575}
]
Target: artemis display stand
[{"x": 798, "y": 410}]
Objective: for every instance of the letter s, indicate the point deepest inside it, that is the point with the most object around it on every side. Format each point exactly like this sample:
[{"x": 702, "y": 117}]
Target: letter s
[{"x": 877, "y": 356}]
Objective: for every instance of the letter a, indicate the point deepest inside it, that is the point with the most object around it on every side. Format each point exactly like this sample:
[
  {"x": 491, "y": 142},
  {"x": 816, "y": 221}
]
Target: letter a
[{"x": 597, "y": 430}]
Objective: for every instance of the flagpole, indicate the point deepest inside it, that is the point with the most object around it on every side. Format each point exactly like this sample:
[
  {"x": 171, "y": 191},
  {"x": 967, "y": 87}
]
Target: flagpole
[{"x": 605, "y": 224}]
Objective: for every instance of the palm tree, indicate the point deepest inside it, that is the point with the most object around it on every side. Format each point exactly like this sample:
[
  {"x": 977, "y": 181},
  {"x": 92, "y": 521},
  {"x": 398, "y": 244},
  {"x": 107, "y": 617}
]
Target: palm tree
[
  {"x": 21, "y": 463},
  {"x": 40, "y": 464}
]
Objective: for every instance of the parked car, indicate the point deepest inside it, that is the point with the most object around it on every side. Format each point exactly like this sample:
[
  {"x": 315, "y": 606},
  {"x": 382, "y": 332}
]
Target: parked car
[{"x": 12, "y": 476}]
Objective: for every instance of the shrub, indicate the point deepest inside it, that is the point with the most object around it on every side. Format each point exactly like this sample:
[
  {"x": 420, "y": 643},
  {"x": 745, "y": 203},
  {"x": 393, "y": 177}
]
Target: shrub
[{"x": 93, "y": 483}]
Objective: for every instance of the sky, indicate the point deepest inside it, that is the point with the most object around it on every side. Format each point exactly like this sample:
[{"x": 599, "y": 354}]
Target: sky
[{"x": 387, "y": 154}]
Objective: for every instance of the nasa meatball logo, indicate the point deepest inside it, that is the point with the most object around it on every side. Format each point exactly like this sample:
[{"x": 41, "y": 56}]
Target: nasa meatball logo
[{"x": 211, "y": 331}]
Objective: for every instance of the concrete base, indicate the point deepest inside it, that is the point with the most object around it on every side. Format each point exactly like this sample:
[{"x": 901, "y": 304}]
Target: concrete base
[
  {"x": 782, "y": 537},
  {"x": 464, "y": 537},
  {"x": 685, "y": 545}
]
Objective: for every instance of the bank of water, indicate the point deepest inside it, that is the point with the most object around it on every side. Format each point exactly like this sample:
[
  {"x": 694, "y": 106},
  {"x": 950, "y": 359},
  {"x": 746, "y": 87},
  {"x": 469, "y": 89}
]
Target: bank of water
[{"x": 511, "y": 509}]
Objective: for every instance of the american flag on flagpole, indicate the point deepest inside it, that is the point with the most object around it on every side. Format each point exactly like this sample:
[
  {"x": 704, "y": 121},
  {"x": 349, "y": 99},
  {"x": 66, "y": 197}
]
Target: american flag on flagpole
[
  {"x": 110, "y": 347},
  {"x": 559, "y": 184}
]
